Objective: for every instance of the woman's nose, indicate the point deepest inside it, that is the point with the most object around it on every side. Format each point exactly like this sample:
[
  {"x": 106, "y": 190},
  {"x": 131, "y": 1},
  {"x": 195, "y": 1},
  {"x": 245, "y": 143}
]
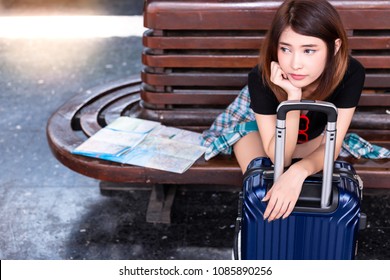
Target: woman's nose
[{"x": 296, "y": 61}]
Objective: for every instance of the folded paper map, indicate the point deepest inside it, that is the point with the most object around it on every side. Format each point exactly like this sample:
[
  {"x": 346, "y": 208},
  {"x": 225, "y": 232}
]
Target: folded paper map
[{"x": 144, "y": 143}]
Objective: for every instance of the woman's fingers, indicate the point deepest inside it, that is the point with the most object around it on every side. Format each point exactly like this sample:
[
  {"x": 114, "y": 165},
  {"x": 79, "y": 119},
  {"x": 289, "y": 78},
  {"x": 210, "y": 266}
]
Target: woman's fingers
[
  {"x": 282, "y": 211},
  {"x": 283, "y": 195},
  {"x": 277, "y": 211},
  {"x": 277, "y": 74},
  {"x": 289, "y": 210},
  {"x": 267, "y": 196},
  {"x": 279, "y": 207},
  {"x": 270, "y": 206},
  {"x": 280, "y": 78}
]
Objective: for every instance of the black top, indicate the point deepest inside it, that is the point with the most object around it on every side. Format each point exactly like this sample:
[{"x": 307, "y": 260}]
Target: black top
[{"x": 346, "y": 95}]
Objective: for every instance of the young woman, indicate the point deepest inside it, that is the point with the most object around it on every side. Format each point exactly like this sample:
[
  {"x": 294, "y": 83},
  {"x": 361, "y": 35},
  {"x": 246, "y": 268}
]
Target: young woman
[{"x": 304, "y": 56}]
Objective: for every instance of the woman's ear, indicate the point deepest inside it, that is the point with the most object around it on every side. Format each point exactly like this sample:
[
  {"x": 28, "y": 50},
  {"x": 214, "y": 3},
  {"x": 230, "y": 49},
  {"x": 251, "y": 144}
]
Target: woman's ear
[{"x": 337, "y": 45}]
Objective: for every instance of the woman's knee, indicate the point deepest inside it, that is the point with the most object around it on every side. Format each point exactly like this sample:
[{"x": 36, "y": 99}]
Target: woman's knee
[{"x": 248, "y": 148}]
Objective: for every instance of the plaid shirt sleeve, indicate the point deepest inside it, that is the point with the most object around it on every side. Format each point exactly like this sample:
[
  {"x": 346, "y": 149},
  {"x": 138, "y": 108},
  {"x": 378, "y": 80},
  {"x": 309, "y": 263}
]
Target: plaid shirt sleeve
[
  {"x": 230, "y": 126},
  {"x": 358, "y": 147}
]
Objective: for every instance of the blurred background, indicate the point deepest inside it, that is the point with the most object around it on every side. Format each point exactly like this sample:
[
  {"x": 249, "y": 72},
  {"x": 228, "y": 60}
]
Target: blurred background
[{"x": 72, "y": 7}]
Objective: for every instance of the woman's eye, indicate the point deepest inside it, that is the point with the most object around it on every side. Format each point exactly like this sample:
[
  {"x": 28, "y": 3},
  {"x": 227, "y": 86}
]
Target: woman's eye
[
  {"x": 283, "y": 49},
  {"x": 309, "y": 51}
]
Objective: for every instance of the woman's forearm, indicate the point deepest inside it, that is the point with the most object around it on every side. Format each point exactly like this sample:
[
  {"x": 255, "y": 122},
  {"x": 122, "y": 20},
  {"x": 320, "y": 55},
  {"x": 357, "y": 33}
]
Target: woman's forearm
[
  {"x": 267, "y": 129},
  {"x": 312, "y": 163},
  {"x": 292, "y": 127}
]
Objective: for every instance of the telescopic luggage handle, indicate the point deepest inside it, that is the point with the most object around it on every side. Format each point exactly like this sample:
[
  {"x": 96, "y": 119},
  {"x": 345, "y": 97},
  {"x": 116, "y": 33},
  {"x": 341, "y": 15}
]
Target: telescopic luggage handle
[{"x": 321, "y": 106}]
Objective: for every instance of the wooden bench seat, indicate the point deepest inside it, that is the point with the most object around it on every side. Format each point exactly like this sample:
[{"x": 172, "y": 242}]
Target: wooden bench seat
[{"x": 196, "y": 59}]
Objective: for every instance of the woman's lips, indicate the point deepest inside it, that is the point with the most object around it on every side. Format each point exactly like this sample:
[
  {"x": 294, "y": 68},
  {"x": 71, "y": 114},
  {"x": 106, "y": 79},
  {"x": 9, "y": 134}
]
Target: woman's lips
[{"x": 297, "y": 77}]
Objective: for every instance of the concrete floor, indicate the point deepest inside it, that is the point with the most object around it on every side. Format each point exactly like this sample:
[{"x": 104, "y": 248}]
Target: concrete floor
[{"x": 50, "y": 212}]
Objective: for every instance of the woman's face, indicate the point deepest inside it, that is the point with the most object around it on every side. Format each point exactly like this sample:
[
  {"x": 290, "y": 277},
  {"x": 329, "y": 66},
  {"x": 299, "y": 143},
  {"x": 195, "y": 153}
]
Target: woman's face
[{"x": 302, "y": 58}]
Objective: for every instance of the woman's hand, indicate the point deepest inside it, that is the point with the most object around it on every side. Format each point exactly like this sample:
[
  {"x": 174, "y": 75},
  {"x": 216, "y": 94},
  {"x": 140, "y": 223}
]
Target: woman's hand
[
  {"x": 284, "y": 194},
  {"x": 279, "y": 78}
]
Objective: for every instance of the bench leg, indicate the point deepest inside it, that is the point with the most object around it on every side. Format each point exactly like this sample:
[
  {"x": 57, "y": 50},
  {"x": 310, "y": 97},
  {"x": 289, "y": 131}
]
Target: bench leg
[{"x": 160, "y": 203}]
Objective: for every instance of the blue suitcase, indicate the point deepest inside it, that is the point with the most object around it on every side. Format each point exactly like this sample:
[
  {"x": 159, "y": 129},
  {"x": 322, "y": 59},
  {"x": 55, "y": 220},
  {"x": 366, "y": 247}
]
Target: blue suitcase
[{"x": 326, "y": 218}]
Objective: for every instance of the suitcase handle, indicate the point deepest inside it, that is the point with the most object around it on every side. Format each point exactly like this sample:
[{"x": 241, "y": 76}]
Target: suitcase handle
[{"x": 320, "y": 106}]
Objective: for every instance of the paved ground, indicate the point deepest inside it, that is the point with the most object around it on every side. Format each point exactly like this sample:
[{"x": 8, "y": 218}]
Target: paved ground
[{"x": 50, "y": 212}]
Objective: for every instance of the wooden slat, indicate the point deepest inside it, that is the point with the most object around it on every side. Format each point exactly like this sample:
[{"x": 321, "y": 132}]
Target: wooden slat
[
  {"x": 125, "y": 106},
  {"x": 375, "y": 19},
  {"x": 189, "y": 15},
  {"x": 200, "y": 61},
  {"x": 187, "y": 117},
  {"x": 377, "y": 137},
  {"x": 203, "y": 43},
  {"x": 373, "y": 99},
  {"x": 89, "y": 115},
  {"x": 252, "y": 15},
  {"x": 369, "y": 43},
  {"x": 180, "y": 60},
  {"x": 376, "y": 81},
  {"x": 371, "y": 121},
  {"x": 237, "y": 41},
  {"x": 89, "y": 120},
  {"x": 197, "y": 79},
  {"x": 374, "y": 61},
  {"x": 246, "y": 42},
  {"x": 380, "y": 137},
  {"x": 184, "y": 98}
]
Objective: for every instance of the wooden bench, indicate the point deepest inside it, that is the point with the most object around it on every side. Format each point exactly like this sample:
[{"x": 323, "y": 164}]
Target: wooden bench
[{"x": 196, "y": 58}]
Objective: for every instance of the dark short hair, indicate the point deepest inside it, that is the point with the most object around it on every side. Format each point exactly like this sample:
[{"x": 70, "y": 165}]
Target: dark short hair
[{"x": 315, "y": 18}]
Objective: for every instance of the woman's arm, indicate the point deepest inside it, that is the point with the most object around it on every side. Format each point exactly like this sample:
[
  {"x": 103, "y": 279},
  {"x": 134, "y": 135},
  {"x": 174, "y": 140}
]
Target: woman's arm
[
  {"x": 314, "y": 162},
  {"x": 267, "y": 124},
  {"x": 285, "y": 192}
]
